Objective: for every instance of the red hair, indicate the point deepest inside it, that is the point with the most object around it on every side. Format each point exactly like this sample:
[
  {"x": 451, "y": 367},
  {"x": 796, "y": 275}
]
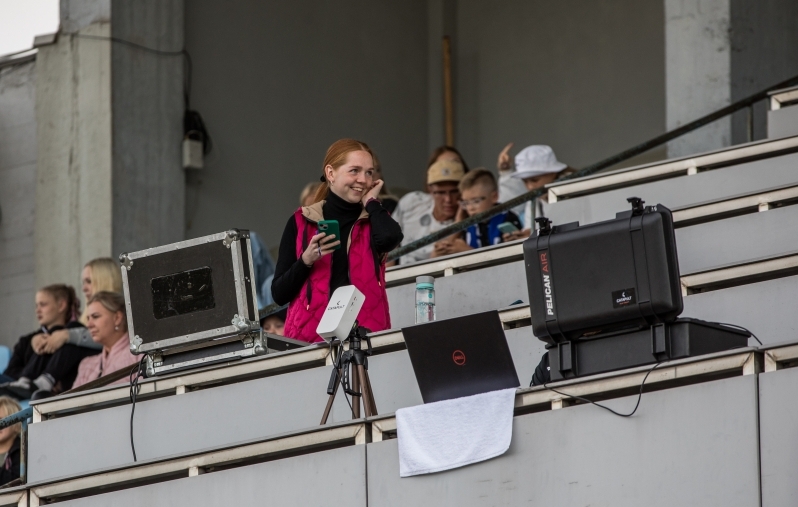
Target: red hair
[{"x": 336, "y": 157}]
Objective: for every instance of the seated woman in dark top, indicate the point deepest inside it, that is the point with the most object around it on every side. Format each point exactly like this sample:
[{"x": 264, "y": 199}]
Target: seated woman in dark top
[
  {"x": 9, "y": 442},
  {"x": 310, "y": 268},
  {"x": 40, "y": 364}
]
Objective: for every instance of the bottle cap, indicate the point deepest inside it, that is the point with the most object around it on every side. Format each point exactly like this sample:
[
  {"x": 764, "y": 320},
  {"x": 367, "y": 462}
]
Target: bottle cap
[{"x": 425, "y": 282}]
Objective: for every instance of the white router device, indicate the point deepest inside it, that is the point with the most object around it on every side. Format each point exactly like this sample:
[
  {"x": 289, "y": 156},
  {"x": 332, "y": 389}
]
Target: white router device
[{"x": 341, "y": 313}]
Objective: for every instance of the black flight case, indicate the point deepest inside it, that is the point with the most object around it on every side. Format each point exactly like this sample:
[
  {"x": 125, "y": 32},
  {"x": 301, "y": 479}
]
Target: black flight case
[
  {"x": 606, "y": 296},
  {"x": 192, "y": 303}
]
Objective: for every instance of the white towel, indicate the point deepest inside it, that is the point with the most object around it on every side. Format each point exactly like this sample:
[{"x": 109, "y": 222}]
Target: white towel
[{"x": 454, "y": 433}]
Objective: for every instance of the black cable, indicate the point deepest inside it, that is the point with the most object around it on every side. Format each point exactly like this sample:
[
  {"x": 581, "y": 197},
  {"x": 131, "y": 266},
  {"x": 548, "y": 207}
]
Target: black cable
[
  {"x": 630, "y": 414},
  {"x": 741, "y": 328},
  {"x": 341, "y": 376},
  {"x": 343, "y": 386},
  {"x": 134, "y": 391}
]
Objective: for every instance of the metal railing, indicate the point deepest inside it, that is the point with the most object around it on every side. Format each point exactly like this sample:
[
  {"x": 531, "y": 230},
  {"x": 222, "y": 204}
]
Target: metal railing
[
  {"x": 20, "y": 417},
  {"x": 747, "y": 102}
]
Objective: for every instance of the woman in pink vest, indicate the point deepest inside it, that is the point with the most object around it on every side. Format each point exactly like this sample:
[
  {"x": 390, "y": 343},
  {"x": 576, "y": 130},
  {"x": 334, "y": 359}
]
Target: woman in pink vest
[{"x": 309, "y": 268}]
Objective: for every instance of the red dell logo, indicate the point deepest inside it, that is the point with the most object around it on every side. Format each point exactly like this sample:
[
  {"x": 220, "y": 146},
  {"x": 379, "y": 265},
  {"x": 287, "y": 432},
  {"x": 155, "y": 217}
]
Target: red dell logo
[{"x": 458, "y": 357}]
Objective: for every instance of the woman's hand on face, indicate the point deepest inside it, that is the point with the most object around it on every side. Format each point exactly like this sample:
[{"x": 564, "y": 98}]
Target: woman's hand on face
[
  {"x": 320, "y": 245},
  {"x": 374, "y": 192},
  {"x": 56, "y": 340}
]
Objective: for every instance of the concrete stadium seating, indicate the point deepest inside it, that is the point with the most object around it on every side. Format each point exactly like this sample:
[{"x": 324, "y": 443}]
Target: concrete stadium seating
[
  {"x": 733, "y": 241},
  {"x": 680, "y": 191},
  {"x": 710, "y": 430}
]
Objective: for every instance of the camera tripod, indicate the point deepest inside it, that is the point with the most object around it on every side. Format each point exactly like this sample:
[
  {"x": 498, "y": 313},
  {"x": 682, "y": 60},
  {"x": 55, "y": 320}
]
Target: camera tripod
[{"x": 352, "y": 364}]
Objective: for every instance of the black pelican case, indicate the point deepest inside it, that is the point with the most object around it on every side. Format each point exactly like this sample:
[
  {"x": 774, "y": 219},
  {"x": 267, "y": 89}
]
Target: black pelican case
[{"x": 621, "y": 273}]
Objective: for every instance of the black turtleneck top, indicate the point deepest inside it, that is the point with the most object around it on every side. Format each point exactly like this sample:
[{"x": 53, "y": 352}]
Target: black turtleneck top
[{"x": 291, "y": 272}]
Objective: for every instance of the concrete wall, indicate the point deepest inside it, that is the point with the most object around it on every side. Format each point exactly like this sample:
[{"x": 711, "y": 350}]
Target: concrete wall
[
  {"x": 721, "y": 51},
  {"x": 764, "y": 42},
  {"x": 17, "y": 188},
  {"x": 147, "y": 99},
  {"x": 586, "y": 78},
  {"x": 278, "y": 82}
]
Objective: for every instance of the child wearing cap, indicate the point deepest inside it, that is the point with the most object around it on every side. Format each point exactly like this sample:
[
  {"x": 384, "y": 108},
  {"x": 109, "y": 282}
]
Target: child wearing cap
[{"x": 535, "y": 166}]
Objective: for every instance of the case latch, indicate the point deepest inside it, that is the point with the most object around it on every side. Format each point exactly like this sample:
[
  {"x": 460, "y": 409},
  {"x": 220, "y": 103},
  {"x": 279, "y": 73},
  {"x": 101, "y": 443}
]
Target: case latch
[
  {"x": 637, "y": 205},
  {"x": 660, "y": 341},
  {"x": 567, "y": 358},
  {"x": 243, "y": 324},
  {"x": 544, "y": 226}
]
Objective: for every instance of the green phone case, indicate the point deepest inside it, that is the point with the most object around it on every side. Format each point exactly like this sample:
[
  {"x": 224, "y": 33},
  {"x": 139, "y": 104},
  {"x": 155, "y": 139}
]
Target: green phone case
[
  {"x": 507, "y": 228},
  {"x": 330, "y": 227}
]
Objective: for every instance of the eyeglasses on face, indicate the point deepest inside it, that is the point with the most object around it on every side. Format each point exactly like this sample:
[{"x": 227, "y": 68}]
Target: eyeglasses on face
[
  {"x": 472, "y": 202},
  {"x": 454, "y": 194}
]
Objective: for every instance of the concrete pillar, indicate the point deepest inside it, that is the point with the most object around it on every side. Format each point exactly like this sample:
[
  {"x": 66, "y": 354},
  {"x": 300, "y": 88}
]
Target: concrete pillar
[
  {"x": 697, "y": 71},
  {"x": 109, "y": 124},
  {"x": 721, "y": 51},
  {"x": 74, "y": 166},
  {"x": 17, "y": 187}
]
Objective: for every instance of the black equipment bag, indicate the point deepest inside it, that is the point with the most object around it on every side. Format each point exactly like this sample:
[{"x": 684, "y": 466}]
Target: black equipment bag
[{"x": 610, "y": 275}]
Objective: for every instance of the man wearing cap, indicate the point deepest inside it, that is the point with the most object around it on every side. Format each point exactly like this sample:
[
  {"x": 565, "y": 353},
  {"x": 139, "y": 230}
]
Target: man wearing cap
[
  {"x": 421, "y": 214},
  {"x": 536, "y": 166}
]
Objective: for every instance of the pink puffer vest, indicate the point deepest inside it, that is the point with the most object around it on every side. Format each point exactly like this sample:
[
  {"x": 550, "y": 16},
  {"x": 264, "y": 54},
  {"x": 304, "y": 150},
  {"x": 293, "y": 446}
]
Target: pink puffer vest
[{"x": 306, "y": 309}]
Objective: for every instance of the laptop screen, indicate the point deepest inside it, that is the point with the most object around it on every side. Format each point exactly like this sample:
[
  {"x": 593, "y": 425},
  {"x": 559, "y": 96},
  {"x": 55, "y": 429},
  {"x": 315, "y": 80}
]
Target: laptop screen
[{"x": 460, "y": 357}]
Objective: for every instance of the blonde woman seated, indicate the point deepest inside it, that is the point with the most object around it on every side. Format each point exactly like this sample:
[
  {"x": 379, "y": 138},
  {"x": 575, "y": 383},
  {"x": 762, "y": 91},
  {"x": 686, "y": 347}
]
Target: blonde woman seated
[
  {"x": 107, "y": 323},
  {"x": 101, "y": 274}
]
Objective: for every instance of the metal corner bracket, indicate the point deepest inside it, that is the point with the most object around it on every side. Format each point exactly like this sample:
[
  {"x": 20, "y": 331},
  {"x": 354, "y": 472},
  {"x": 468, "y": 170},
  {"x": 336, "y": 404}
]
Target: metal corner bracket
[
  {"x": 231, "y": 237},
  {"x": 126, "y": 261},
  {"x": 135, "y": 343}
]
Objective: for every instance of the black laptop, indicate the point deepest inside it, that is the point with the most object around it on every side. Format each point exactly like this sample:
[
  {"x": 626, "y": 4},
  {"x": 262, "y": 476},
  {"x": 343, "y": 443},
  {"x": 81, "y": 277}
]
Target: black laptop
[{"x": 460, "y": 357}]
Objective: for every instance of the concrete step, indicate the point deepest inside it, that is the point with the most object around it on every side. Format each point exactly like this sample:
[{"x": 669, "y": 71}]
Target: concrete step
[
  {"x": 681, "y": 191},
  {"x": 767, "y": 308},
  {"x": 573, "y": 445},
  {"x": 782, "y": 113},
  {"x": 704, "y": 247},
  {"x": 227, "y": 414},
  {"x": 242, "y": 458},
  {"x": 675, "y": 451},
  {"x": 463, "y": 293},
  {"x": 688, "y": 165}
]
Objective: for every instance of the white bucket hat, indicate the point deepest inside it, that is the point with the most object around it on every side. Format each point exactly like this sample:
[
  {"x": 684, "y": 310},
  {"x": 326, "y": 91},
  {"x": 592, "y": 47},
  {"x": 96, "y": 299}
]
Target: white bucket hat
[{"x": 536, "y": 160}]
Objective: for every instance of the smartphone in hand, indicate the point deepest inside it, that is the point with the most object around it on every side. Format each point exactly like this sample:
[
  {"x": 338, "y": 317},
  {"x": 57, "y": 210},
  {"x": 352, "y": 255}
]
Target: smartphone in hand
[
  {"x": 330, "y": 227},
  {"x": 507, "y": 228}
]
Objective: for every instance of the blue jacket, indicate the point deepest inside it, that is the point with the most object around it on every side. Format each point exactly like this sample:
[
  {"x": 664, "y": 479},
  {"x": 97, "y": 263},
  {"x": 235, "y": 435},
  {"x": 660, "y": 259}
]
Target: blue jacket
[{"x": 473, "y": 236}]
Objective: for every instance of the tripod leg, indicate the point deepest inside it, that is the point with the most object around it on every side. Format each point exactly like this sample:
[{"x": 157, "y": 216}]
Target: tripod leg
[
  {"x": 356, "y": 388},
  {"x": 371, "y": 392},
  {"x": 330, "y": 401},
  {"x": 367, "y": 407}
]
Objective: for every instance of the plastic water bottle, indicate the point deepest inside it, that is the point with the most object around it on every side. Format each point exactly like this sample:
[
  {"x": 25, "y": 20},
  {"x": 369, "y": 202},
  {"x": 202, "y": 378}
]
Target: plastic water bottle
[{"x": 425, "y": 299}]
